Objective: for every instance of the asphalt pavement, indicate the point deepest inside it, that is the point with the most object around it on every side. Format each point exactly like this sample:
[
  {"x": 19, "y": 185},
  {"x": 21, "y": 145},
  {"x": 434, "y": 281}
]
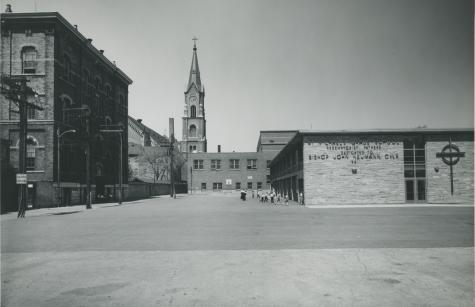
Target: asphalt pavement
[{"x": 205, "y": 250}]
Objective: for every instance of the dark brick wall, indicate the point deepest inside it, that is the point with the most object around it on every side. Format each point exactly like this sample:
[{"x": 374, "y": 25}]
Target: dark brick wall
[{"x": 53, "y": 40}]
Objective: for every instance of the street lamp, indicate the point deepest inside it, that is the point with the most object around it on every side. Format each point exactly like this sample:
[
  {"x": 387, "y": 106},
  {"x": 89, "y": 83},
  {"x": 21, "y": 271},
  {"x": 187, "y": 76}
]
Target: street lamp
[{"x": 59, "y": 165}]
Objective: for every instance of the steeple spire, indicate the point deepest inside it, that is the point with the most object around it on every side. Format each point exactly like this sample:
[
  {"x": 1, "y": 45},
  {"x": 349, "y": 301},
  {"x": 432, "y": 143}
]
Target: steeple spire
[{"x": 195, "y": 70}]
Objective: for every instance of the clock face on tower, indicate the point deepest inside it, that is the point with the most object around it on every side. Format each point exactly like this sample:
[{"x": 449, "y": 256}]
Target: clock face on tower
[{"x": 193, "y": 99}]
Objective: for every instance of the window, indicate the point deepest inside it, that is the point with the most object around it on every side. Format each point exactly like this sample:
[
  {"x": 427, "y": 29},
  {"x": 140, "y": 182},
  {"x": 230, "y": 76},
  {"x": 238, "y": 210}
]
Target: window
[
  {"x": 192, "y": 148},
  {"x": 67, "y": 68},
  {"x": 192, "y": 131},
  {"x": 31, "y": 144},
  {"x": 215, "y": 164},
  {"x": 28, "y": 59},
  {"x": 234, "y": 164},
  {"x": 268, "y": 179},
  {"x": 67, "y": 105},
  {"x": 249, "y": 185},
  {"x": 30, "y": 158},
  {"x": 97, "y": 83},
  {"x": 198, "y": 164},
  {"x": 259, "y": 185},
  {"x": 238, "y": 185},
  {"x": 268, "y": 163},
  {"x": 251, "y": 164},
  {"x": 86, "y": 76},
  {"x": 108, "y": 121},
  {"x": 217, "y": 186},
  {"x": 31, "y": 113},
  {"x": 203, "y": 186},
  {"x": 108, "y": 90},
  {"x": 193, "y": 111}
]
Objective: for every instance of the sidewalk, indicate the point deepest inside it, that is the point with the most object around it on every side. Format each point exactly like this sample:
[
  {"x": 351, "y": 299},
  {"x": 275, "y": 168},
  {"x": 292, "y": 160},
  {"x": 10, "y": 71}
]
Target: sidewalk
[
  {"x": 68, "y": 209},
  {"x": 386, "y": 206}
]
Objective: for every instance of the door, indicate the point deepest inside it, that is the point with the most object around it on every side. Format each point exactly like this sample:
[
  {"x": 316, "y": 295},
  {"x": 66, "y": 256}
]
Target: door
[{"x": 416, "y": 190}]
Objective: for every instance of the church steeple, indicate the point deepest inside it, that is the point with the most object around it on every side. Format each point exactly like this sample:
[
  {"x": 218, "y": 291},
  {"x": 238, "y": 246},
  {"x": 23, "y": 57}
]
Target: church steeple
[
  {"x": 194, "y": 70},
  {"x": 194, "y": 120}
]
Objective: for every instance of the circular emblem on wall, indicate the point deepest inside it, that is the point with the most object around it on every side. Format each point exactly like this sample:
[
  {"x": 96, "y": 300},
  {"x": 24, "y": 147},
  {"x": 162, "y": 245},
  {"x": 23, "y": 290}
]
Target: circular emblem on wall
[{"x": 450, "y": 154}]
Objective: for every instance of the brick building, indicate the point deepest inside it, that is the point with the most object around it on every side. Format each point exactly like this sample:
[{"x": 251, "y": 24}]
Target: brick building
[
  {"x": 384, "y": 166},
  {"x": 78, "y": 88}
]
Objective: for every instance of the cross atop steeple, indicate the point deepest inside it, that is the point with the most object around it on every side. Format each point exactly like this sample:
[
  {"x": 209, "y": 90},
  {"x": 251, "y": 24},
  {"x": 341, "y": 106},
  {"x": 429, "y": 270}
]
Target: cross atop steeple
[{"x": 194, "y": 39}]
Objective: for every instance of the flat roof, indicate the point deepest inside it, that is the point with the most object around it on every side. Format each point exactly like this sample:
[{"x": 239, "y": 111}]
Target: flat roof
[
  {"x": 301, "y": 133},
  {"x": 62, "y": 20},
  {"x": 385, "y": 131}
]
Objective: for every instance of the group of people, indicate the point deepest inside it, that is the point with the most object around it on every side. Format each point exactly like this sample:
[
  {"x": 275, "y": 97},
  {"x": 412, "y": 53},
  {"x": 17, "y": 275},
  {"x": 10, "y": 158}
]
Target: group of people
[{"x": 272, "y": 196}]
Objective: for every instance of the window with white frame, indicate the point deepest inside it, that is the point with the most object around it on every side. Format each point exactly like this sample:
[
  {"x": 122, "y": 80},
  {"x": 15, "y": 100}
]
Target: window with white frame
[
  {"x": 28, "y": 60},
  {"x": 215, "y": 164},
  {"x": 251, "y": 163},
  {"x": 234, "y": 163},
  {"x": 198, "y": 164}
]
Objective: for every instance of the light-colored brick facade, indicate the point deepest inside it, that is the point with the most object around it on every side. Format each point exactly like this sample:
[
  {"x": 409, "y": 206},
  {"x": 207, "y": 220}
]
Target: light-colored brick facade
[
  {"x": 364, "y": 167},
  {"x": 202, "y": 176}
]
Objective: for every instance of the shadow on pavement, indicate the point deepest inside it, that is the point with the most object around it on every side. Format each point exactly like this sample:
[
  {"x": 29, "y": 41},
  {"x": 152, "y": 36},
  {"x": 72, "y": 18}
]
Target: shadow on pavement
[{"x": 64, "y": 213}]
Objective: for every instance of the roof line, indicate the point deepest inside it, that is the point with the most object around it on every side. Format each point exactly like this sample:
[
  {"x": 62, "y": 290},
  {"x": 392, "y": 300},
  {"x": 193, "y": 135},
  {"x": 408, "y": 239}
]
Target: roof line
[{"x": 75, "y": 31}]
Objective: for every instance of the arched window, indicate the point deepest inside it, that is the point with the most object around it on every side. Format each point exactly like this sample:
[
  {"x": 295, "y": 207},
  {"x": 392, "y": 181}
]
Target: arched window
[
  {"x": 193, "y": 111},
  {"x": 28, "y": 60},
  {"x": 67, "y": 68},
  {"x": 192, "y": 131},
  {"x": 108, "y": 121},
  {"x": 97, "y": 83},
  {"x": 67, "y": 104},
  {"x": 99, "y": 169}
]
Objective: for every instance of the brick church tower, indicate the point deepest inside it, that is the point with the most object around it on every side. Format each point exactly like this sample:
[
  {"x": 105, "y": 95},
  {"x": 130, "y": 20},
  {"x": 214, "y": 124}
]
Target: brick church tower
[{"x": 194, "y": 122}]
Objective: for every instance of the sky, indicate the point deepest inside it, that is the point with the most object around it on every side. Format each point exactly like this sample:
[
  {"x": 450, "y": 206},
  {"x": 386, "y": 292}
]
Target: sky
[{"x": 285, "y": 65}]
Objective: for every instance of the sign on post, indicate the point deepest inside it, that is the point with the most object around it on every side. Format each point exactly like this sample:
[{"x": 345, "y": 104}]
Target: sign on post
[{"x": 21, "y": 179}]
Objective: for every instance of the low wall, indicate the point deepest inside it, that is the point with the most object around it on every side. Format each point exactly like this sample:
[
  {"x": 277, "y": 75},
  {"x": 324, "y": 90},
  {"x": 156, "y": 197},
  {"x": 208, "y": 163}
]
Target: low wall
[{"x": 137, "y": 190}]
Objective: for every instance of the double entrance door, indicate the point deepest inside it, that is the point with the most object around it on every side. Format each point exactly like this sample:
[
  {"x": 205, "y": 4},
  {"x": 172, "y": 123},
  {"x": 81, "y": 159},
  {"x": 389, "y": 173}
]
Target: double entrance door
[{"x": 415, "y": 190}]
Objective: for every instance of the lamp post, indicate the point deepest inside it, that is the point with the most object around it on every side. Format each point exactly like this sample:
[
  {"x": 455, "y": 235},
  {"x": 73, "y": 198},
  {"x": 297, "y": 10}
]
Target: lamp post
[{"x": 59, "y": 165}]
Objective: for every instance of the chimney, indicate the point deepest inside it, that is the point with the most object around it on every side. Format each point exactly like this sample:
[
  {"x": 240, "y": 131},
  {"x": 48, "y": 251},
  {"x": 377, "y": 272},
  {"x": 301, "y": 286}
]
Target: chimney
[
  {"x": 89, "y": 40},
  {"x": 101, "y": 51},
  {"x": 139, "y": 120},
  {"x": 219, "y": 148},
  {"x": 76, "y": 27},
  {"x": 171, "y": 128},
  {"x": 8, "y": 9}
]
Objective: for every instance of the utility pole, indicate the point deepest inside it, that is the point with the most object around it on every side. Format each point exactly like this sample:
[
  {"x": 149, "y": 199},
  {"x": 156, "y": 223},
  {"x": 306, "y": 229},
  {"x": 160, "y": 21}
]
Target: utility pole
[
  {"x": 23, "y": 108},
  {"x": 14, "y": 88},
  {"x": 84, "y": 112},
  {"x": 116, "y": 129}
]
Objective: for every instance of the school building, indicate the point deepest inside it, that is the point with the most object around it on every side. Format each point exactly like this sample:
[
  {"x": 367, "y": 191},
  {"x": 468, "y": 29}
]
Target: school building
[{"x": 377, "y": 166}]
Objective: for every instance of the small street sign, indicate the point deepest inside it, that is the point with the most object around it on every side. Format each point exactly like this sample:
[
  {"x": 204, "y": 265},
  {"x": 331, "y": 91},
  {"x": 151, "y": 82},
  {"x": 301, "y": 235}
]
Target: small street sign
[{"x": 21, "y": 179}]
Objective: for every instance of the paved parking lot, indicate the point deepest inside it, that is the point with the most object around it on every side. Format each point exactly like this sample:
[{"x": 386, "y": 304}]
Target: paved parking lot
[{"x": 207, "y": 250}]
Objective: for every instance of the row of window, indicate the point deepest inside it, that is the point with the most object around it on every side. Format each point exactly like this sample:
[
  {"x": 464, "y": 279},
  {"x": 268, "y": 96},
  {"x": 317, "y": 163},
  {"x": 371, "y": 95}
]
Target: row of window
[
  {"x": 29, "y": 60},
  {"x": 233, "y": 164},
  {"x": 219, "y": 186}
]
